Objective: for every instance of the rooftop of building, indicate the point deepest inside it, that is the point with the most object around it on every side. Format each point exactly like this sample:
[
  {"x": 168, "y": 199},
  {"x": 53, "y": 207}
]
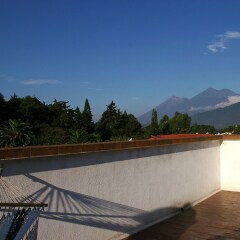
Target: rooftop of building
[{"x": 215, "y": 218}]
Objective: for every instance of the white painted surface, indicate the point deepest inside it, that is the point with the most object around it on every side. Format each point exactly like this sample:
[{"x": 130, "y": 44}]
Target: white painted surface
[
  {"x": 230, "y": 165},
  {"x": 105, "y": 195}
]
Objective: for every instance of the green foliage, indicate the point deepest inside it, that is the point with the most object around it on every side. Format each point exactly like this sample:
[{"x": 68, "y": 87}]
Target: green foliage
[
  {"x": 77, "y": 119},
  {"x": 13, "y": 108},
  {"x": 164, "y": 125},
  {"x": 58, "y": 123},
  {"x": 131, "y": 127},
  {"x": 94, "y": 137},
  {"x": 235, "y": 129},
  {"x": 153, "y": 127},
  {"x": 48, "y": 135},
  {"x": 61, "y": 114},
  {"x": 180, "y": 123},
  {"x": 228, "y": 129},
  {"x": 127, "y": 127},
  {"x": 105, "y": 126},
  {"x": 195, "y": 128},
  {"x": 2, "y": 109},
  {"x": 15, "y": 133},
  {"x": 32, "y": 111},
  {"x": 83, "y": 137},
  {"x": 87, "y": 121},
  {"x": 115, "y": 125}
]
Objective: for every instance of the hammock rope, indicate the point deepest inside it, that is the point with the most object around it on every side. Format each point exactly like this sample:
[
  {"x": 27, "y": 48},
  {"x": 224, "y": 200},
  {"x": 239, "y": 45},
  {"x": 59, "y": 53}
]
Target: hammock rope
[
  {"x": 13, "y": 196},
  {"x": 19, "y": 213}
]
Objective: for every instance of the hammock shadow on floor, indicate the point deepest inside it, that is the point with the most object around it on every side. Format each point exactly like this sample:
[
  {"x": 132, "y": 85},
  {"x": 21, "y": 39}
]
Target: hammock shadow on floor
[{"x": 77, "y": 208}]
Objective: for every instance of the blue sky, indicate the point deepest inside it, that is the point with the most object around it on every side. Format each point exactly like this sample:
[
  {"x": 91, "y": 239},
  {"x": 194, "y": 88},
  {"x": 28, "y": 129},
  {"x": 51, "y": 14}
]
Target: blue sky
[{"x": 137, "y": 53}]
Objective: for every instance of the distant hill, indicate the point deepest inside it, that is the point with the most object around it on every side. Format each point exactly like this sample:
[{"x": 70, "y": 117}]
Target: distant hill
[
  {"x": 219, "y": 118},
  {"x": 207, "y": 100}
]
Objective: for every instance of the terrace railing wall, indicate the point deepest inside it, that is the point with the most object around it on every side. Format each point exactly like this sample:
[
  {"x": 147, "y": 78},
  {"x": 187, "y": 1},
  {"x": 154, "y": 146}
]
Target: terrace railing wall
[{"x": 110, "y": 190}]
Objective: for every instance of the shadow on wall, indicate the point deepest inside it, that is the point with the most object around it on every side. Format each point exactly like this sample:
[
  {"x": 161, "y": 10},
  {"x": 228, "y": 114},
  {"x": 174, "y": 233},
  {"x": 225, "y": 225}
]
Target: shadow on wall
[{"x": 76, "y": 208}]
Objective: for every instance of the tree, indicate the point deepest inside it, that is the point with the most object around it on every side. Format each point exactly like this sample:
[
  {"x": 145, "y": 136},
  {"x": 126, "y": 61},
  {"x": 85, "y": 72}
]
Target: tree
[
  {"x": 49, "y": 135},
  {"x": 61, "y": 114},
  {"x": 236, "y": 129},
  {"x": 180, "y": 123},
  {"x": 88, "y": 124},
  {"x": 2, "y": 108},
  {"x": 115, "y": 125},
  {"x": 107, "y": 122},
  {"x": 126, "y": 127},
  {"x": 81, "y": 136},
  {"x": 195, "y": 128},
  {"x": 77, "y": 120},
  {"x": 164, "y": 125},
  {"x": 154, "y": 123},
  {"x": 13, "y": 108},
  {"x": 32, "y": 110},
  {"x": 153, "y": 128},
  {"x": 132, "y": 127},
  {"x": 58, "y": 123},
  {"x": 15, "y": 133}
]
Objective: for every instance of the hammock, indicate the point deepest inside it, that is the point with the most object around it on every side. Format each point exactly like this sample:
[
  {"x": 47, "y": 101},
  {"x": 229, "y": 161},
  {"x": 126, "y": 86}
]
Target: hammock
[{"x": 19, "y": 213}]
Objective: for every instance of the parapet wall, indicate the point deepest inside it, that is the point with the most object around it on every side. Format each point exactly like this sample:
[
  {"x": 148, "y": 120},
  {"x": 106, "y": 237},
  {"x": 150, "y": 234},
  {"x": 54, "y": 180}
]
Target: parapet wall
[
  {"x": 230, "y": 164},
  {"x": 108, "y": 190}
]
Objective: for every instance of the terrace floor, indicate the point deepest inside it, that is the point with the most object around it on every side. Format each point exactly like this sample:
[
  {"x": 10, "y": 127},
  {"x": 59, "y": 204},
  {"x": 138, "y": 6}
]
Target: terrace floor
[{"x": 216, "y": 218}]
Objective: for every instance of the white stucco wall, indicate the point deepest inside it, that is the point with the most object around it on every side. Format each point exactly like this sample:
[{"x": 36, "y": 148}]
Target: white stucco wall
[
  {"x": 230, "y": 165},
  {"x": 106, "y": 195}
]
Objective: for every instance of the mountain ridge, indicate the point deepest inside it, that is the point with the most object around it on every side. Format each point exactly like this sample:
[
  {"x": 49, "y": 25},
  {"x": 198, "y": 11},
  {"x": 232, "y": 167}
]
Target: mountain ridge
[
  {"x": 220, "y": 117},
  {"x": 206, "y": 100}
]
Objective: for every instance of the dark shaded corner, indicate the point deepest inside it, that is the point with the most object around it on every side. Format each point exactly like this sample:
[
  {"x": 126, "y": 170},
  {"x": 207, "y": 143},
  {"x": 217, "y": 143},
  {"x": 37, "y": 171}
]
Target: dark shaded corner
[{"x": 170, "y": 229}]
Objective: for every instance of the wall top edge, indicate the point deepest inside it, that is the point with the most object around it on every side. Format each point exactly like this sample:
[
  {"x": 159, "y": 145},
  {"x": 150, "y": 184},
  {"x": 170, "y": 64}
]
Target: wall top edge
[{"x": 68, "y": 149}]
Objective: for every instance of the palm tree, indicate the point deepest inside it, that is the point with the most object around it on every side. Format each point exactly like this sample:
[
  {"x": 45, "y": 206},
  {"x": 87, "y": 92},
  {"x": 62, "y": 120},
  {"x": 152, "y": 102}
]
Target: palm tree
[{"x": 15, "y": 133}]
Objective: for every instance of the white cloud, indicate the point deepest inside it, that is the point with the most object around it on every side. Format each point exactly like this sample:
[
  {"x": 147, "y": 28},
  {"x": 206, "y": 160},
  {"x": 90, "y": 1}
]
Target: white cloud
[
  {"x": 4, "y": 77},
  {"x": 87, "y": 85},
  {"x": 207, "y": 108},
  {"x": 85, "y": 82},
  {"x": 94, "y": 89},
  {"x": 217, "y": 46},
  {"x": 39, "y": 82},
  {"x": 231, "y": 100},
  {"x": 135, "y": 98},
  {"x": 223, "y": 39}
]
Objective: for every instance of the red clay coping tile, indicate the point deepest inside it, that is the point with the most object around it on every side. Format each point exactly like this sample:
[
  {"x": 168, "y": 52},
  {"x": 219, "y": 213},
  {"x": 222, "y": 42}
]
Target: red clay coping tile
[{"x": 54, "y": 150}]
